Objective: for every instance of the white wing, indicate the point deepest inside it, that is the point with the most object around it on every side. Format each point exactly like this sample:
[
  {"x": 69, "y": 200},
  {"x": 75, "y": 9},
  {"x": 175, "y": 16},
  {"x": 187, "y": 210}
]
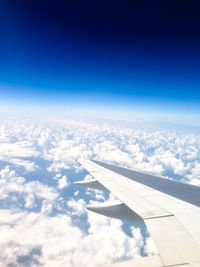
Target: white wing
[{"x": 170, "y": 210}]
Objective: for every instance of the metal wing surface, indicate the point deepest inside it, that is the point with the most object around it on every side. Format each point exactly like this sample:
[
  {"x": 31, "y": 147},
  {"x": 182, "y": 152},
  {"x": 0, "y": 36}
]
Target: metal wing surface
[{"x": 170, "y": 210}]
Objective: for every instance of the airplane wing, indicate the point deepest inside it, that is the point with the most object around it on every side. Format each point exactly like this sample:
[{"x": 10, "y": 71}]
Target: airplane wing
[{"x": 170, "y": 210}]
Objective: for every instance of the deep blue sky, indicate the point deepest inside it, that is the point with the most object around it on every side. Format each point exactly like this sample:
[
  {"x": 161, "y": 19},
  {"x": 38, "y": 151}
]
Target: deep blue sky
[{"x": 141, "y": 55}]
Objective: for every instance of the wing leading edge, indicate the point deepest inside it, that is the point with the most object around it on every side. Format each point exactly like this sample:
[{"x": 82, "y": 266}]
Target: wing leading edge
[{"x": 169, "y": 209}]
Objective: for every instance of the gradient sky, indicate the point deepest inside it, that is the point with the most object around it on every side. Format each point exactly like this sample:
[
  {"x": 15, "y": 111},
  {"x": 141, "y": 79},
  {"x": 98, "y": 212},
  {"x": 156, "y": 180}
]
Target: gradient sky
[{"x": 119, "y": 55}]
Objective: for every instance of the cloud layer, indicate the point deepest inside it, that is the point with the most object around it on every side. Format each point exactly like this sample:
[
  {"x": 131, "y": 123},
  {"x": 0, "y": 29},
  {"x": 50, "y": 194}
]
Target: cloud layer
[{"x": 43, "y": 217}]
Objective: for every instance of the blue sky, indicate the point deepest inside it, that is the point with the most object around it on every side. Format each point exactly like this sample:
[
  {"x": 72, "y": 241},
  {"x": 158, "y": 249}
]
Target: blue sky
[{"x": 131, "y": 57}]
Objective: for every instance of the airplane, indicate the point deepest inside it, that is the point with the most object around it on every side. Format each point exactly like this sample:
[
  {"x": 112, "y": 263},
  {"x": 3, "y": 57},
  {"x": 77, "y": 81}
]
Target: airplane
[{"x": 170, "y": 210}]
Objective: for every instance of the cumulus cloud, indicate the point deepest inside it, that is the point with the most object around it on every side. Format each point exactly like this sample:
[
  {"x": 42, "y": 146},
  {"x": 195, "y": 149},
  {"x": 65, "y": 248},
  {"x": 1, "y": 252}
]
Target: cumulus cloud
[
  {"x": 28, "y": 166},
  {"x": 194, "y": 176},
  {"x": 47, "y": 207},
  {"x": 76, "y": 193},
  {"x": 59, "y": 243},
  {"x": 106, "y": 232},
  {"x": 26, "y": 191},
  {"x": 61, "y": 180},
  {"x": 39, "y": 159},
  {"x": 57, "y": 166},
  {"x": 150, "y": 247},
  {"x": 17, "y": 149},
  {"x": 78, "y": 206},
  {"x": 16, "y": 152}
]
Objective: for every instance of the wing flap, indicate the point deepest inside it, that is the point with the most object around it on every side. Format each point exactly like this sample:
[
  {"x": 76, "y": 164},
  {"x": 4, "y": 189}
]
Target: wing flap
[
  {"x": 94, "y": 184},
  {"x": 115, "y": 209}
]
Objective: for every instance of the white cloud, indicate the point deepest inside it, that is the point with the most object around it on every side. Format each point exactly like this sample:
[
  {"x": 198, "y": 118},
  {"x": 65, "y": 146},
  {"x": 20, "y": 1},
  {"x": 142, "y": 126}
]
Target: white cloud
[
  {"x": 59, "y": 145},
  {"x": 194, "y": 177},
  {"x": 78, "y": 206},
  {"x": 57, "y": 176},
  {"x": 61, "y": 243},
  {"x": 11, "y": 183},
  {"x": 150, "y": 247},
  {"x": 28, "y": 166},
  {"x": 15, "y": 152},
  {"x": 106, "y": 233},
  {"x": 62, "y": 182},
  {"x": 47, "y": 207},
  {"x": 17, "y": 149},
  {"x": 57, "y": 166},
  {"x": 30, "y": 201},
  {"x": 76, "y": 193}
]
